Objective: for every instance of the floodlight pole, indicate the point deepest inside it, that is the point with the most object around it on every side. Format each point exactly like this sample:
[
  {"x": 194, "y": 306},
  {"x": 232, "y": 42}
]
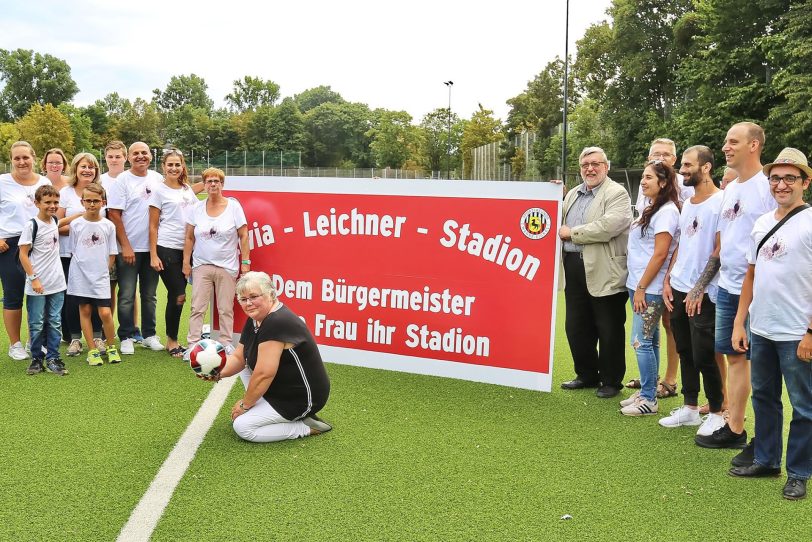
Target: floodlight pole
[
  {"x": 566, "y": 91},
  {"x": 449, "y": 84}
]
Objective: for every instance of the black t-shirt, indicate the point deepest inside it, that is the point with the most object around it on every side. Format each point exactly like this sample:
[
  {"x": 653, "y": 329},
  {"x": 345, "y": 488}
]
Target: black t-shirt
[{"x": 301, "y": 385}]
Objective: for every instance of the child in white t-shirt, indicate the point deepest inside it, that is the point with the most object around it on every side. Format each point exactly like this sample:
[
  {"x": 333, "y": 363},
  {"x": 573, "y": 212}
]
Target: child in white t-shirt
[
  {"x": 45, "y": 282},
  {"x": 92, "y": 243}
]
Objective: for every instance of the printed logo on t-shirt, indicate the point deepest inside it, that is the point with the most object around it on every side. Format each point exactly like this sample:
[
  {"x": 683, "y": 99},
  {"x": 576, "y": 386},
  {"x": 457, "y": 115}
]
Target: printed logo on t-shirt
[
  {"x": 773, "y": 251},
  {"x": 693, "y": 227},
  {"x": 146, "y": 193},
  {"x": 211, "y": 234},
  {"x": 29, "y": 200},
  {"x": 54, "y": 241},
  {"x": 734, "y": 212},
  {"x": 94, "y": 239}
]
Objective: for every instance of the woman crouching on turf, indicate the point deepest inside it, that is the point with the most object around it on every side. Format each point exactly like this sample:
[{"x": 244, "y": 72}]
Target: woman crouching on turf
[
  {"x": 279, "y": 363},
  {"x": 652, "y": 240}
]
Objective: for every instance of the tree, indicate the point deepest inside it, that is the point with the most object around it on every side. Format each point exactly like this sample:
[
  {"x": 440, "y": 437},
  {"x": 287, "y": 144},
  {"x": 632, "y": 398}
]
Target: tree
[
  {"x": 188, "y": 128},
  {"x": 8, "y": 135},
  {"x": 250, "y": 93},
  {"x": 482, "y": 129},
  {"x": 225, "y": 130},
  {"x": 314, "y": 97},
  {"x": 139, "y": 121},
  {"x": 46, "y": 127},
  {"x": 80, "y": 127},
  {"x": 183, "y": 90},
  {"x": 434, "y": 143},
  {"x": 32, "y": 78},
  {"x": 336, "y": 135},
  {"x": 393, "y": 138}
]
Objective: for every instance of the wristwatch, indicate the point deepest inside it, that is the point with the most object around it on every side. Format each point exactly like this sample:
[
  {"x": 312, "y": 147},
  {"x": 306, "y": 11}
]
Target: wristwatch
[
  {"x": 242, "y": 406},
  {"x": 33, "y": 277}
]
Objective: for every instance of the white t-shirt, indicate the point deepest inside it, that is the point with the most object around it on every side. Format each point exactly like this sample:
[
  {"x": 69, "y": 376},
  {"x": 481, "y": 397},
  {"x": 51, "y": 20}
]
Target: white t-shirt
[
  {"x": 697, "y": 227},
  {"x": 782, "y": 290},
  {"x": 107, "y": 182},
  {"x": 72, "y": 204},
  {"x": 130, "y": 194},
  {"x": 743, "y": 203},
  {"x": 685, "y": 193},
  {"x": 175, "y": 205},
  {"x": 641, "y": 248},
  {"x": 216, "y": 239},
  {"x": 44, "y": 256},
  {"x": 91, "y": 244},
  {"x": 17, "y": 204}
]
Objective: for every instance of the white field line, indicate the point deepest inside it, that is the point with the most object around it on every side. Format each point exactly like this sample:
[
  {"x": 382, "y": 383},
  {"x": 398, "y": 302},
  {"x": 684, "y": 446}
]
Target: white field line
[{"x": 144, "y": 518}]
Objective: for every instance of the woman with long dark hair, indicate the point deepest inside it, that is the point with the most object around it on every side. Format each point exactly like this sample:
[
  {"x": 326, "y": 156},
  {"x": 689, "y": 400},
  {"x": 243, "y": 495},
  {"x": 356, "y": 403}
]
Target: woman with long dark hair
[{"x": 652, "y": 240}]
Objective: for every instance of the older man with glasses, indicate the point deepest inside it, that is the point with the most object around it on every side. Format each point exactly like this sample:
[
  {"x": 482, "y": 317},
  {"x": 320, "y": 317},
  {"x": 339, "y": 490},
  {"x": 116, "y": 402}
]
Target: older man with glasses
[{"x": 597, "y": 215}]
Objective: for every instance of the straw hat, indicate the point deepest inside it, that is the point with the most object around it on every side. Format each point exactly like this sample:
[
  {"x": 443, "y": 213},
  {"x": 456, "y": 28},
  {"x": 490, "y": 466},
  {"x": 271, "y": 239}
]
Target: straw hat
[{"x": 790, "y": 157}]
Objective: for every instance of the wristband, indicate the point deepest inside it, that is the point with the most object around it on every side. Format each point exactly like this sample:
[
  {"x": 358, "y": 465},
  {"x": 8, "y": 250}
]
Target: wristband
[
  {"x": 33, "y": 277},
  {"x": 246, "y": 262}
]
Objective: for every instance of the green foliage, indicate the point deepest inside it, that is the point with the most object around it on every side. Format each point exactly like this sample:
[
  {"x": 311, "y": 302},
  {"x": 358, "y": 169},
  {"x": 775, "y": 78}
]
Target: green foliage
[
  {"x": 138, "y": 121},
  {"x": 46, "y": 127},
  {"x": 183, "y": 90},
  {"x": 336, "y": 132},
  {"x": 482, "y": 129},
  {"x": 8, "y": 135},
  {"x": 81, "y": 127},
  {"x": 393, "y": 138},
  {"x": 32, "y": 78},
  {"x": 276, "y": 128},
  {"x": 188, "y": 128},
  {"x": 435, "y": 143},
  {"x": 250, "y": 93},
  {"x": 314, "y": 97}
]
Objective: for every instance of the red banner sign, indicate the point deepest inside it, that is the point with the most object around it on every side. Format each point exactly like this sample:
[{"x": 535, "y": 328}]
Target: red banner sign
[{"x": 453, "y": 279}]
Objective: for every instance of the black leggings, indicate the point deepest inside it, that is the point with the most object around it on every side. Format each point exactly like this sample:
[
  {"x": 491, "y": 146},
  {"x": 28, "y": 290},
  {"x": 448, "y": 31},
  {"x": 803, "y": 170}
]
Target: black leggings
[{"x": 175, "y": 282}]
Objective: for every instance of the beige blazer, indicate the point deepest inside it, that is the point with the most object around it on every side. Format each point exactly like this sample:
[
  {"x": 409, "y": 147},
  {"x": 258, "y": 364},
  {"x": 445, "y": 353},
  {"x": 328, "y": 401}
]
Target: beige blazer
[{"x": 605, "y": 237}]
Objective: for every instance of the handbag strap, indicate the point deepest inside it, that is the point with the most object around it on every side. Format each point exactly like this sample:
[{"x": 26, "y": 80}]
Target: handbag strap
[{"x": 781, "y": 223}]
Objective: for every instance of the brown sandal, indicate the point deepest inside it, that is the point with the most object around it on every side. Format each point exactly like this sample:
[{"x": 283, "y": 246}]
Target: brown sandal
[
  {"x": 666, "y": 390},
  {"x": 634, "y": 384}
]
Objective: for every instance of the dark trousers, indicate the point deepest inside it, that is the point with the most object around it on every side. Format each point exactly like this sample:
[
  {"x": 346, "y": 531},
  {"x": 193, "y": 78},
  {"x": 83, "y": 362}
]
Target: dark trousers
[
  {"x": 694, "y": 337},
  {"x": 71, "y": 327},
  {"x": 595, "y": 328},
  {"x": 175, "y": 282}
]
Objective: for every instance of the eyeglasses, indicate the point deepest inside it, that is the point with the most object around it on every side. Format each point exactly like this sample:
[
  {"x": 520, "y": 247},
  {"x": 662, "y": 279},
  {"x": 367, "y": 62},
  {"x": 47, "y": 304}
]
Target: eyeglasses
[
  {"x": 660, "y": 155},
  {"x": 251, "y": 298},
  {"x": 213, "y": 181},
  {"x": 54, "y": 163},
  {"x": 789, "y": 180},
  {"x": 93, "y": 201},
  {"x": 593, "y": 165}
]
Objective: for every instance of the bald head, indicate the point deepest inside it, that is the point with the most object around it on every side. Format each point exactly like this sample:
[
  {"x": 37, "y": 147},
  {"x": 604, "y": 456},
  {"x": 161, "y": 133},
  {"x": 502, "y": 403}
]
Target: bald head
[{"x": 140, "y": 158}]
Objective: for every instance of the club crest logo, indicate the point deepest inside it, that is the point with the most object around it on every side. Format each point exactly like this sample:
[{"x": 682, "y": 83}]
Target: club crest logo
[{"x": 535, "y": 223}]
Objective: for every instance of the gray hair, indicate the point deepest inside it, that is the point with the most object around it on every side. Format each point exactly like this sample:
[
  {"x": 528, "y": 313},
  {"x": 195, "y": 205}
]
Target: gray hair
[
  {"x": 593, "y": 150},
  {"x": 258, "y": 279},
  {"x": 664, "y": 141}
]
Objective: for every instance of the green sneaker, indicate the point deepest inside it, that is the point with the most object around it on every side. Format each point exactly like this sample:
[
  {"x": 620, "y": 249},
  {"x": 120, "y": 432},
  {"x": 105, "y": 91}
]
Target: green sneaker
[
  {"x": 112, "y": 355},
  {"x": 94, "y": 358}
]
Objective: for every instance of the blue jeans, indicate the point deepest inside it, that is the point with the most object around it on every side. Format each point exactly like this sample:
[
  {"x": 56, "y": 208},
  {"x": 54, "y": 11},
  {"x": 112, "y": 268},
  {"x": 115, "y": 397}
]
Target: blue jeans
[
  {"x": 771, "y": 360},
  {"x": 147, "y": 279},
  {"x": 727, "y": 305},
  {"x": 645, "y": 339},
  {"x": 45, "y": 323}
]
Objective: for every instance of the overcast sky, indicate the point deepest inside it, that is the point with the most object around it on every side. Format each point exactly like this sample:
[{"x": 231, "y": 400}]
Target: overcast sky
[{"x": 389, "y": 54}]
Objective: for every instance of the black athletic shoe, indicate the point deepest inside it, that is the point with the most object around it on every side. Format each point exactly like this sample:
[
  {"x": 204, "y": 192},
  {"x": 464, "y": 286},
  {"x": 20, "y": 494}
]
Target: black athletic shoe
[
  {"x": 795, "y": 489},
  {"x": 35, "y": 367},
  {"x": 56, "y": 367},
  {"x": 722, "y": 438},
  {"x": 746, "y": 457}
]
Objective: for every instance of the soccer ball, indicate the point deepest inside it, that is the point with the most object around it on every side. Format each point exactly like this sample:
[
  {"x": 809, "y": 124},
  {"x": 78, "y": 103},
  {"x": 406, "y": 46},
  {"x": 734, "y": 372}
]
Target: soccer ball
[{"x": 207, "y": 357}]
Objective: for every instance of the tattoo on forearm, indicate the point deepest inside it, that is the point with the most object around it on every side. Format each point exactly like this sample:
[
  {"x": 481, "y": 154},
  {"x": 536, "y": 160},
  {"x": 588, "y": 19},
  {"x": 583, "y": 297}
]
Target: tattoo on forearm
[{"x": 704, "y": 279}]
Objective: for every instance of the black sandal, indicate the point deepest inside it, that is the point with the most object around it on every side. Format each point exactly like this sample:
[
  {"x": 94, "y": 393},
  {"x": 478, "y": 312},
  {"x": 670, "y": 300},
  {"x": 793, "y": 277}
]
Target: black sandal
[{"x": 177, "y": 352}]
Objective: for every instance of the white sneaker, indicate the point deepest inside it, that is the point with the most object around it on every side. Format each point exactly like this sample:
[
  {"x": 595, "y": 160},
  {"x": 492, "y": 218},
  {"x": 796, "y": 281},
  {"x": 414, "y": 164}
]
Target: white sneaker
[
  {"x": 17, "y": 351},
  {"x": 683, "y": 415},
  {"x": 631, "y": 399},
  {"x": 127, "y": 347},
  {"x": 711, "y": 423},
  {"x": 153, "y": 343},
  {"x": 640, "y": 407},
  {"x": 75, "y": 347}
]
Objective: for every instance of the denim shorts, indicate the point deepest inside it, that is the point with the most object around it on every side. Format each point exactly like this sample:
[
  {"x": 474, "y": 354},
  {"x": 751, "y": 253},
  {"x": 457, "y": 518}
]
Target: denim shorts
[{"x": 727, "y": 305}]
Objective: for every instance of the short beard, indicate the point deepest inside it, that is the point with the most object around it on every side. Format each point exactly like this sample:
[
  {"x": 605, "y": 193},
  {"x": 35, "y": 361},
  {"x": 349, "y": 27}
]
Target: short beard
[{"x": 690, "y": 180}]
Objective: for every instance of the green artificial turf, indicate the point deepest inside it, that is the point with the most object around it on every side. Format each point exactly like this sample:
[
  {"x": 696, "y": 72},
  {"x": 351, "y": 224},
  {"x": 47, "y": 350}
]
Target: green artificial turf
[{"x": 411, "y": 458}]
